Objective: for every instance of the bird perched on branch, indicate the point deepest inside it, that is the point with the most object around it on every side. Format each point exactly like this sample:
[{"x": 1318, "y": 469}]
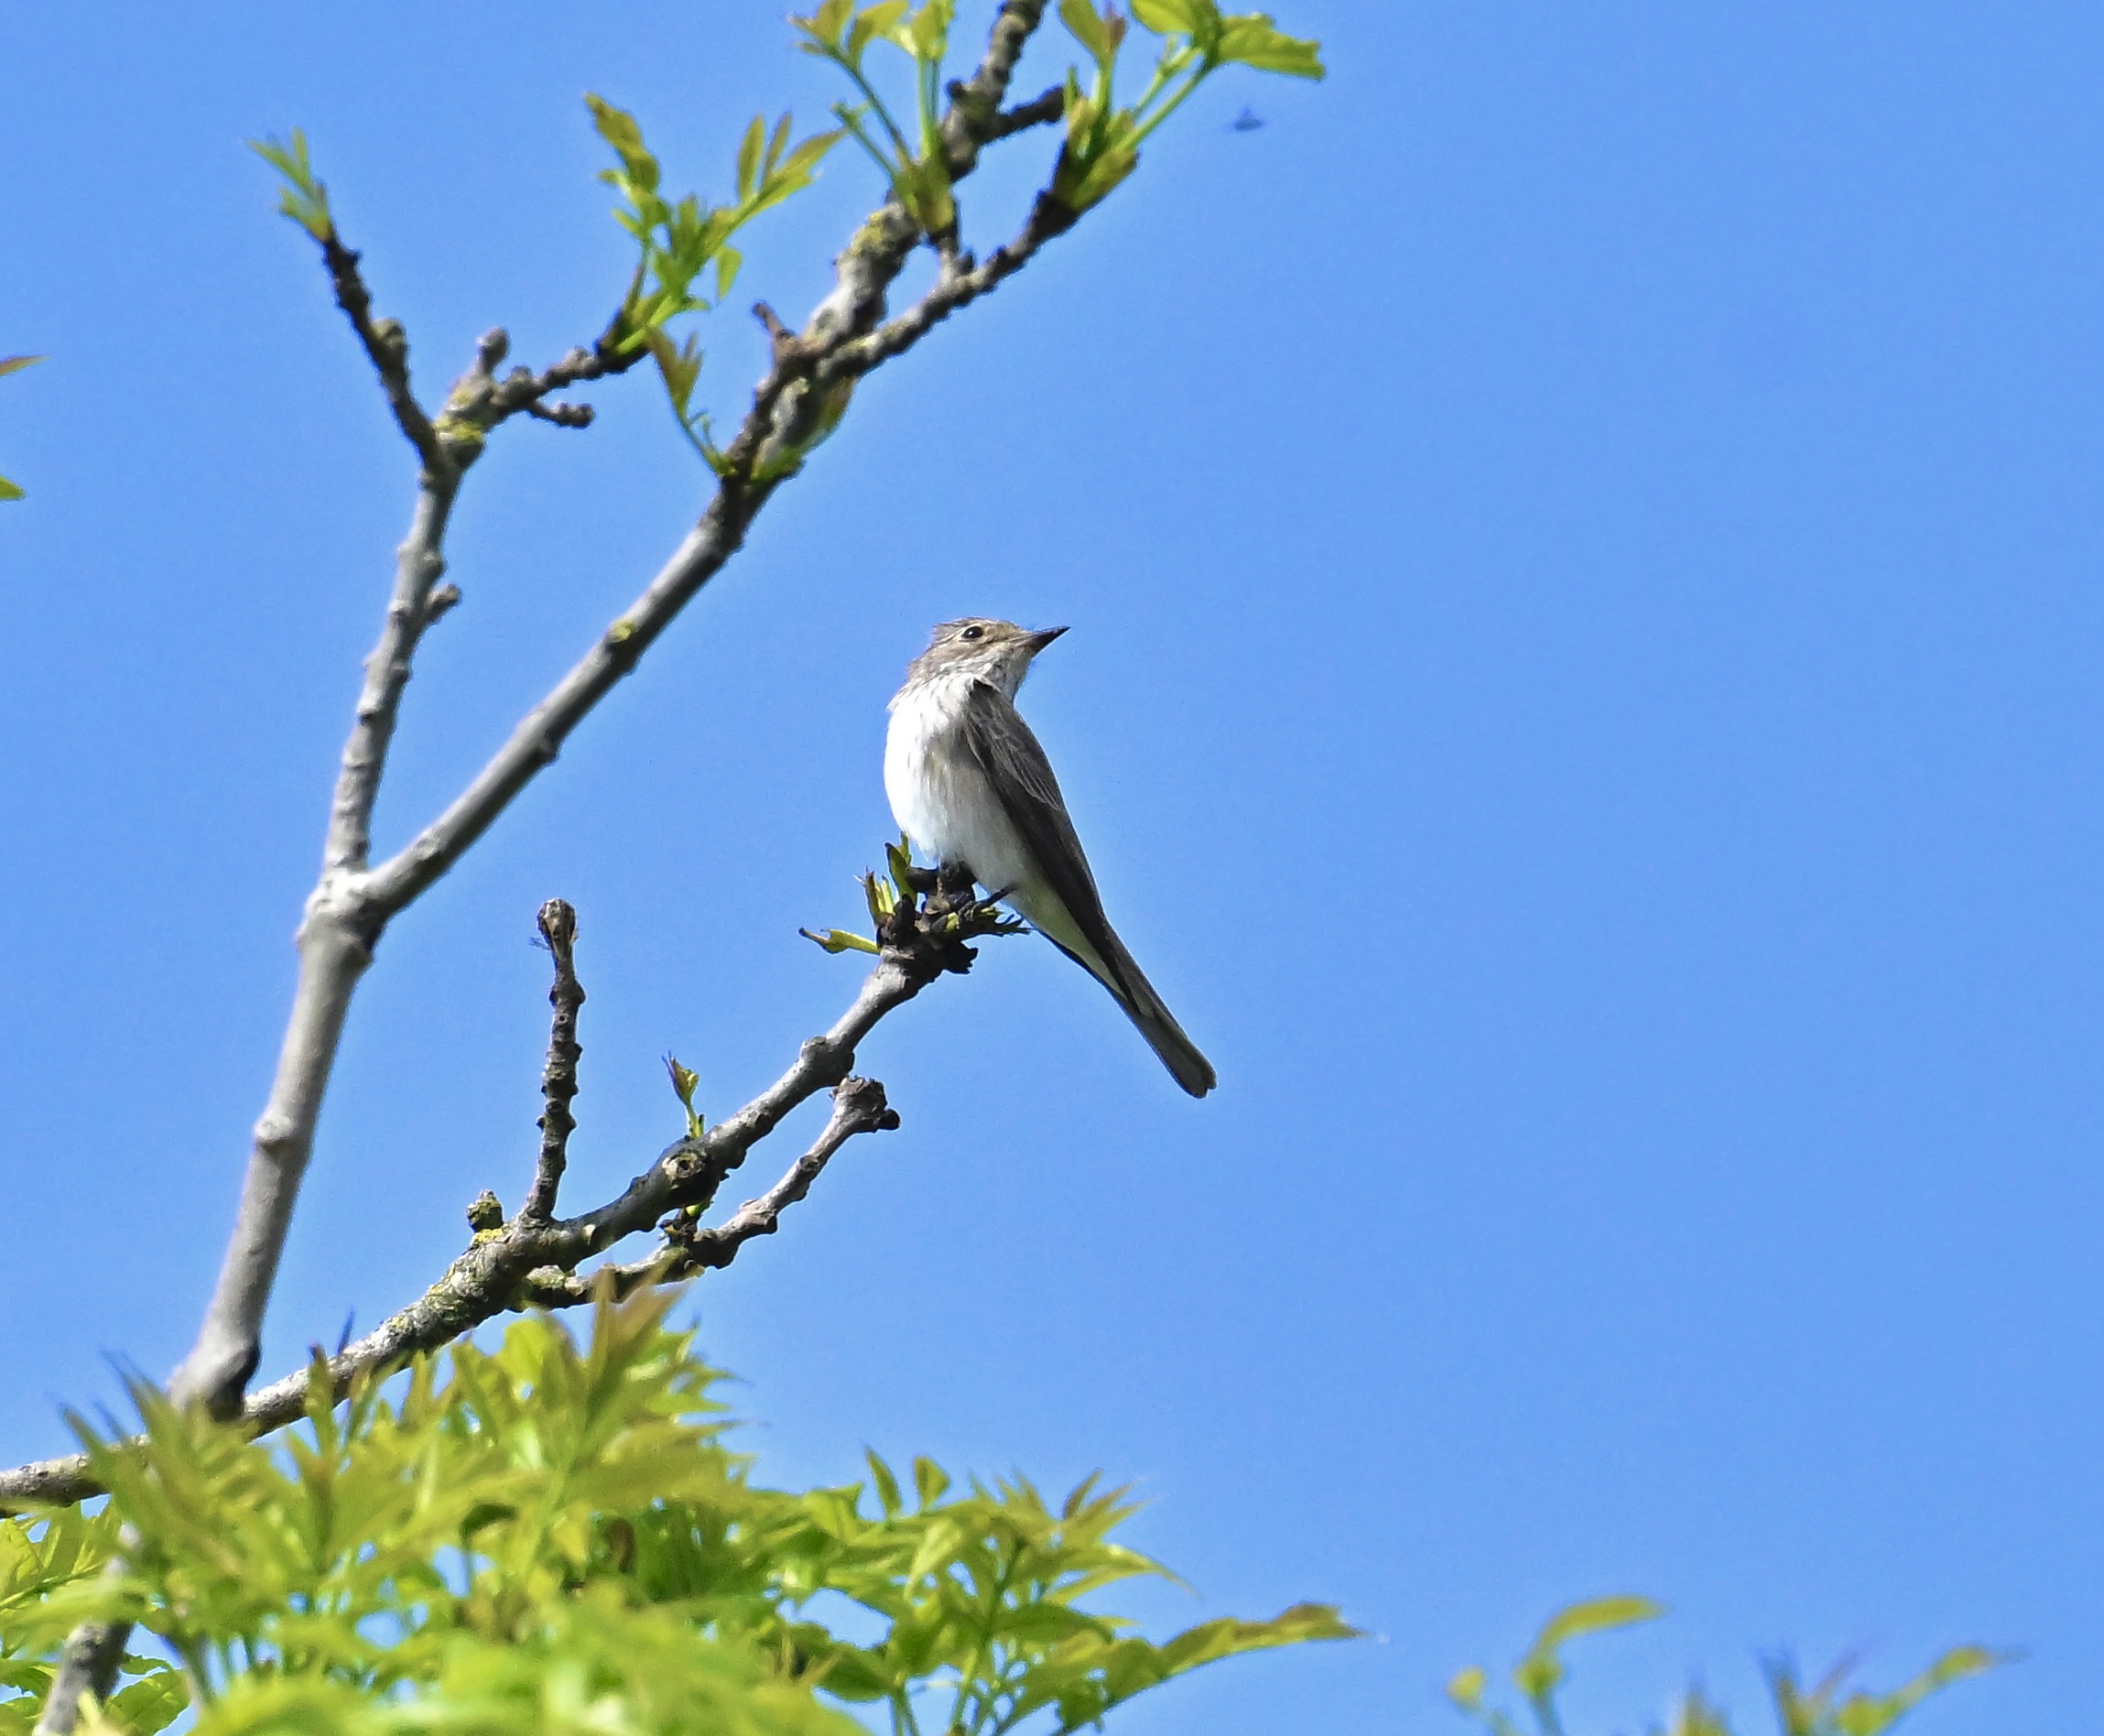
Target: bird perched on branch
[{"x": 970, "y": 786}]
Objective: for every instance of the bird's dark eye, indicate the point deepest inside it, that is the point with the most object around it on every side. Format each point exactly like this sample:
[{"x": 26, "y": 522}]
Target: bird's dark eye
[{"x": 973, "y": 632}]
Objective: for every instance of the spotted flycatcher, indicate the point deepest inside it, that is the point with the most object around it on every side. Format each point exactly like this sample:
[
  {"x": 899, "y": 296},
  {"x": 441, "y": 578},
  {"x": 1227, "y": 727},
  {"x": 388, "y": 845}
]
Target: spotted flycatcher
[{"x": 970, "y": 786}]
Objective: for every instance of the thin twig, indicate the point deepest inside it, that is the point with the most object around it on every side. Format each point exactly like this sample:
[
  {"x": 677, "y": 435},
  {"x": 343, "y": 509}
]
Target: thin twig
[
  {"x": 975, "y": 102},
  {"x": 859, "y": 1107},
  {"x": 559, "y": 1077},
  {"x": 1041, "y": 109},
  {"x": 955, "y": 289},
  {"x": 387, "y": 346},
  {"x": 88, "y": 1664}
]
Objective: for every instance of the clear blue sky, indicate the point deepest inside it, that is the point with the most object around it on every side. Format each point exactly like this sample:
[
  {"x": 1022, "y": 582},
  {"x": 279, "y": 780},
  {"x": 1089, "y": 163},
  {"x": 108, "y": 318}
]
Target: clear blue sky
[{"x": 1582, "y": 543}]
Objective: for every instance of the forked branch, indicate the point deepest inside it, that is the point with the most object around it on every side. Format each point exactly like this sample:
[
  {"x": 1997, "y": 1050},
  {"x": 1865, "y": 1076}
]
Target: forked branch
[{"x": 534, "y": 1261}]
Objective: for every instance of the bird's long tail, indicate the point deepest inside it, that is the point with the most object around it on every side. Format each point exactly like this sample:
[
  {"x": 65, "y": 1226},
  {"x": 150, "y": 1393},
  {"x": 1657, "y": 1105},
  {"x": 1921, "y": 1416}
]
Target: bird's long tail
[{"x": 1116, "y": 969}]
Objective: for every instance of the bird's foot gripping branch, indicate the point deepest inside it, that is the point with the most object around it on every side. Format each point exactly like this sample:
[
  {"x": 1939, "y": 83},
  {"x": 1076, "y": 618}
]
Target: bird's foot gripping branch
[{"x": 923, "y": 917}]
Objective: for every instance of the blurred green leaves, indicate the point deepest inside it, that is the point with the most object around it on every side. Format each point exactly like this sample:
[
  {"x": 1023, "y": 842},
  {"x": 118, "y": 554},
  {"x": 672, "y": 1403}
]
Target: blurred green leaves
[
  {"x": 1822, "y": 1710},
  {"x": 1540, "y": 1672},
  {"x": 303, "y": 198},
  {"x": 14, "y": 364},
  {"x": 553, "y": 1537},
  {"x": 1799, "y": 1711}
]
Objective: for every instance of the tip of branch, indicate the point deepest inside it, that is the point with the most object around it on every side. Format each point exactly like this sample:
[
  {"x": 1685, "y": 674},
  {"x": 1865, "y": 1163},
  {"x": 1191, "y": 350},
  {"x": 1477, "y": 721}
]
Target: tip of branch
[{"x": 557, "y": 925}]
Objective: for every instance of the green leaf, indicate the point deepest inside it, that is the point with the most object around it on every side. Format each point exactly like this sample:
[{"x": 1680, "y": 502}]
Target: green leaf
[
  {"x": 1085, "y": 25},
  {"x": 153, "y": 1702},
  {"x": 679, "y": 365},
  {"x": 621, "y": 130},
  {"x": 929, "y": 1481},
  {"x": 873, "y": 22},
  {"x": 10, "y": 490},
  {"x": 823, "y": 27},
  {"x": 1466, "y": 1690},
  {"x": 841, "y": 941},
  {"x": 1695, "y": 1716},
  {"x": 886, "y": 1485},
  {"x": 883, "y": 900},
  {"x": 749, "y": 158},
  {"x": 684, "y": 1081},
  {"x": 1251, "y": 39},
  {"x": 1864, "y": 1714},
  {"x": 16, "y": 364},
  {"x": 925, "y": 36},
  {"x": 550, "y": 1538},
  {"x": 1185, "y": 17},
  {"x": 1538, "y": 1673}
]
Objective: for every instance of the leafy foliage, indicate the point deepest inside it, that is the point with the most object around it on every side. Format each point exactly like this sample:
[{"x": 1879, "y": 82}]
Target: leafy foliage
[
  {"x": 551, "y": 1536},
  {"x": 14, "y": 364},
  {"x": 1821, "y": 1711}
]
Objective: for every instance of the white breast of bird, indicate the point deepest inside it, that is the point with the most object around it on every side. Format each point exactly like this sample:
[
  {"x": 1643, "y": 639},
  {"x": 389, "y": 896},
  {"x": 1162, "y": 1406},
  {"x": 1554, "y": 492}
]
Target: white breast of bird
[{"x": 938, "y": 795}]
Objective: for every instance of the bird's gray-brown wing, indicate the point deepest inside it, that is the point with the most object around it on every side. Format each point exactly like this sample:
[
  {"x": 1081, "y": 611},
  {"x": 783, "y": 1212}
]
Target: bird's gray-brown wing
[{"x": 1022, "y": 780}]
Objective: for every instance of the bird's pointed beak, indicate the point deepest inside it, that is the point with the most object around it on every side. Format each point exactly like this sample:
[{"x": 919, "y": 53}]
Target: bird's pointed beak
[{"x": 1038, "y": 641}]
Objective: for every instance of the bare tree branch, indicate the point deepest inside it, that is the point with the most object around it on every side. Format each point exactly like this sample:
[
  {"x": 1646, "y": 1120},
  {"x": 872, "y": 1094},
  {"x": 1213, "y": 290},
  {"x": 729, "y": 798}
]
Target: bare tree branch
[
  {"x": 529, "y": 1262},
  {"x": 386, "y": 346},
  {"x": 975, "y": 102},
  {"x": 558, "y": 1079},
  {"x": 88, "y": 1663},
  {"x": 335, "y": 944},
  {"x": 859, "y": 1107},
  {"x": 1039, "y": 111},
  {"x": 961, "y": 283}
]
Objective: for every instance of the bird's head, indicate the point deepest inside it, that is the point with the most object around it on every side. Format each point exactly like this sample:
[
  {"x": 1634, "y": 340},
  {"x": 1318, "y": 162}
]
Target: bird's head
[{"x": 998, "y": 651}]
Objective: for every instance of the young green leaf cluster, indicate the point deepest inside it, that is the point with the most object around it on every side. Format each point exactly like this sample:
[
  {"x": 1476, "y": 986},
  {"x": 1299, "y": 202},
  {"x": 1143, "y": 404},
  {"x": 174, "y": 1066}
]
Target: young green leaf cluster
[
  {"x": 840, "y": 32},
  {"x": 14, "y": 364},
  {"x": 682, "y": 241},
  {"x": 551, "y": 1536},
  {"x": 1820, "y": 1710},
  {"x": 1103, "y": 139},
  {"x": 304, "y": 197}
]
